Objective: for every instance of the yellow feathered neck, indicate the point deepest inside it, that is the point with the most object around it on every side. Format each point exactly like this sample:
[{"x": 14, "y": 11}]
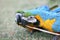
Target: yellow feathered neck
[{"x": 47, "y": 24}]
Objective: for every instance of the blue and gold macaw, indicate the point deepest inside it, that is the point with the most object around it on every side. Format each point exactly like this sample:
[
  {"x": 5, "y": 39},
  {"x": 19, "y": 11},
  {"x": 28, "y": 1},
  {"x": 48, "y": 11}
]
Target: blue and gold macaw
[{"x": 49, "y": 19}]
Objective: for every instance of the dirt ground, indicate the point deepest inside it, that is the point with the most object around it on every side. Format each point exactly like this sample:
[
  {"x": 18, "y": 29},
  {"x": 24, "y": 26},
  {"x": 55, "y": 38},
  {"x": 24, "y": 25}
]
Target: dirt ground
[{"x": 8, "y": 28}]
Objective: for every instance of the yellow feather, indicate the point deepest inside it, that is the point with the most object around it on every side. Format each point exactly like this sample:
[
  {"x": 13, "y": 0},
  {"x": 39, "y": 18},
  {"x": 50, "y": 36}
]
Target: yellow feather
[{"x": 45, "y": 24}]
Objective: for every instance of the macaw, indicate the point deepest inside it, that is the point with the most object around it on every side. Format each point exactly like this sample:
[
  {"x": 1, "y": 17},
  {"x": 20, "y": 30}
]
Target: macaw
[{"x": 49, "y": 19}]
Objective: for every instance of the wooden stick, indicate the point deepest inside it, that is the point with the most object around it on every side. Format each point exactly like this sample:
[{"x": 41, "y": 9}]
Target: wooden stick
[
  {"x": 43, "y": 30},
  {"x": 55, "y": 6}
]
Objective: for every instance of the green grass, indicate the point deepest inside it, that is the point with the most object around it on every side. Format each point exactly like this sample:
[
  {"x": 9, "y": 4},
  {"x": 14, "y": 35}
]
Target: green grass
[{"x": 8, "y": 28}]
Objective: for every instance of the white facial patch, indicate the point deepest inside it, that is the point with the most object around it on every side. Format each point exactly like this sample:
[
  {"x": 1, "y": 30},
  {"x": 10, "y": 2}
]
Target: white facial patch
[{"x": 31, "y": 19}]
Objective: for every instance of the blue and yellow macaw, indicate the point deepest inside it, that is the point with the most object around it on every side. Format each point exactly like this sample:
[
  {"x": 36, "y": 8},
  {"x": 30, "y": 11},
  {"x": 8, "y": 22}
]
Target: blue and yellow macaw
[{"x": 49, "y": 19}]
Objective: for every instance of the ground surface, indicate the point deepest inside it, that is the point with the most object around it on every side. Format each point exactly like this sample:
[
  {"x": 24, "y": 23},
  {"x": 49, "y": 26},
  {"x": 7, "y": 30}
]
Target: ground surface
[{"x": 8, "y": 28}]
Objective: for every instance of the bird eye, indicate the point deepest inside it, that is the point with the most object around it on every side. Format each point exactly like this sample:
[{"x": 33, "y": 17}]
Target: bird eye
[{"x": 31, "y": 17}]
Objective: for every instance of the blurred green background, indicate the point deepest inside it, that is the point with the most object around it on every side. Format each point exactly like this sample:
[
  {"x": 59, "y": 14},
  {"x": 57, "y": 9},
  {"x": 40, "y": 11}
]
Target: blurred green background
[{"x": 8, "y": 28}]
